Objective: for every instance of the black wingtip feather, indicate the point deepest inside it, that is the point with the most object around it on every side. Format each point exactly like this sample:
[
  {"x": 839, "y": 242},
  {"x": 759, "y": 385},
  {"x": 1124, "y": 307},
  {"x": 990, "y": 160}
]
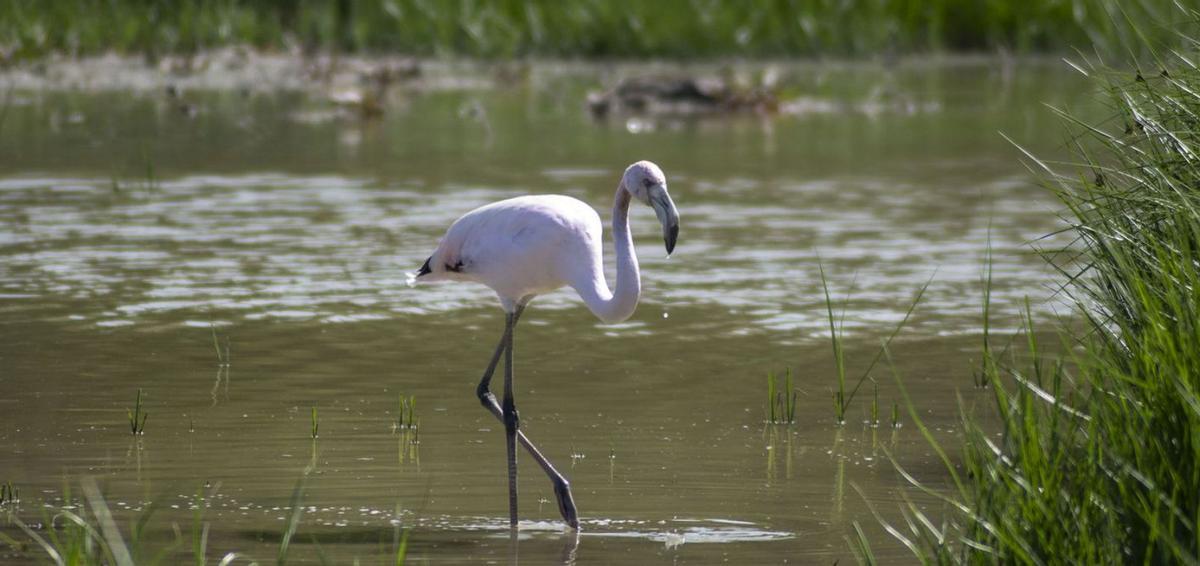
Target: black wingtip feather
[{"x": 425, "y": 268}]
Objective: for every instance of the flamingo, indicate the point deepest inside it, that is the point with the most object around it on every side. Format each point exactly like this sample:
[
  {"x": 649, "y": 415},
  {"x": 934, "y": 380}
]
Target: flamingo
[{"x": 525, "y": 246}]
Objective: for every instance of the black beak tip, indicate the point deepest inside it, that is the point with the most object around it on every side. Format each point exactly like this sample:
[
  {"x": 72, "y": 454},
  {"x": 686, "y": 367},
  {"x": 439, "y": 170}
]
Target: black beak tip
[{"x": 672, "y": 234}]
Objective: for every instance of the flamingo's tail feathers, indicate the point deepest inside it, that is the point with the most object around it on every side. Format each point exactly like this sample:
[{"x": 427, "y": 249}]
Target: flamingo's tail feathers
[
  {"x": 425, "y": 268},
  {"x": 413, "y": 275}
]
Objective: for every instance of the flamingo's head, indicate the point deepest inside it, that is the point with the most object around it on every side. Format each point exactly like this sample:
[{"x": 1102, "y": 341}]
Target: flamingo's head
[{"x": 646, "y": 182}]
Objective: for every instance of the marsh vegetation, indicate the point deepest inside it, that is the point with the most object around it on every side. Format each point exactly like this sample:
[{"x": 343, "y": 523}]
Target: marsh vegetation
[
  {"x": 1096, "y": 459},
  {"x": 514, "y": 28}
]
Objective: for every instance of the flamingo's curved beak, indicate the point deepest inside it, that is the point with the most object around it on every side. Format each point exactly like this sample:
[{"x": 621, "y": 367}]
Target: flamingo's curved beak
[{"x": 664, "y": 208}]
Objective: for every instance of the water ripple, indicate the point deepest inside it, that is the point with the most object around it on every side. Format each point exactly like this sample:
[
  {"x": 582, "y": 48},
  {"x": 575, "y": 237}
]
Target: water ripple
[{"x": 336, "y": 249}]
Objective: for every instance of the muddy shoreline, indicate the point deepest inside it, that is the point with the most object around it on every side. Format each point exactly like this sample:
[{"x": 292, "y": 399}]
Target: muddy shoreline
[{"x": 245, "y": 69}]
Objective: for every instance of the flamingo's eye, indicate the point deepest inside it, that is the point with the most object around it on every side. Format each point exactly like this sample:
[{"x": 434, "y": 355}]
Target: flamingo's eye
[{"x": 648, "y": 183}]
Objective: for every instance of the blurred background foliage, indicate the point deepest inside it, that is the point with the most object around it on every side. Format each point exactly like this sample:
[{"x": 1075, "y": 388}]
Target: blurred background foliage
[{"x": 585, "y": 28}]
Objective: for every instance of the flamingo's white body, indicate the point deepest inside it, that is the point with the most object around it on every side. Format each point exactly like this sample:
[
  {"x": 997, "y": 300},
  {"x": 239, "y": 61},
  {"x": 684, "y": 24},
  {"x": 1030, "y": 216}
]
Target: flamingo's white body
[
  {"x": 531, "y": 245},
  {"x": 526, "y": 246}
]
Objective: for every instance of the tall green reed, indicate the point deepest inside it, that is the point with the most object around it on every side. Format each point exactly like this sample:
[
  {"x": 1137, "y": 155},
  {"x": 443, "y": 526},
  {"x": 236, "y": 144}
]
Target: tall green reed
[
  {"x": 839, "y": 358},
  {"x": 986, "y": 362},
  {"x": 136, "y": 416}
]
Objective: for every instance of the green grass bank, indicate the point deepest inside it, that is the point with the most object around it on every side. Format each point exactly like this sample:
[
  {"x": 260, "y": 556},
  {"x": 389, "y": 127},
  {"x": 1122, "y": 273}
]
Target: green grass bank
[
  {"x": 1098, "y": 457},
  {"x": 585, "y": 28}
]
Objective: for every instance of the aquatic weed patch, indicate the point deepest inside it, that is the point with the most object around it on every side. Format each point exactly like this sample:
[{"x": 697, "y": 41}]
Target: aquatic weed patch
[{"x": 89, "y": 530}]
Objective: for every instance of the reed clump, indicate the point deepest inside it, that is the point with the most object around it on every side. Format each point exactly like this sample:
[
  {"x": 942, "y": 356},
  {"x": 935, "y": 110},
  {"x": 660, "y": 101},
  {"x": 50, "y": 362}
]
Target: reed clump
[
  {"x": 1098, "y": 460},
  {"x": 781, "y": 401},
  {"x": 406, "y": 413},
  {"x": 9, "y": 494}
]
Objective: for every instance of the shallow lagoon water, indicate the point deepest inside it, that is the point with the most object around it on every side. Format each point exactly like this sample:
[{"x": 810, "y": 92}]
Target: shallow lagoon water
[{"x": 136, "y": 227}]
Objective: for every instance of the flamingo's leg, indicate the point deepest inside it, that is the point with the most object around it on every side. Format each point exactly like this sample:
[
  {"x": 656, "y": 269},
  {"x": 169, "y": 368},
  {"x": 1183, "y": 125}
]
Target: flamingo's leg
[
  {"x": 562, "y": 488},
  {"x": 511, "y": 422}
]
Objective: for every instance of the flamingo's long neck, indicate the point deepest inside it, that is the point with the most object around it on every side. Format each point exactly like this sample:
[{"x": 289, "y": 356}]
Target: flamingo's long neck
[{"x": 618, "y": 304}]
